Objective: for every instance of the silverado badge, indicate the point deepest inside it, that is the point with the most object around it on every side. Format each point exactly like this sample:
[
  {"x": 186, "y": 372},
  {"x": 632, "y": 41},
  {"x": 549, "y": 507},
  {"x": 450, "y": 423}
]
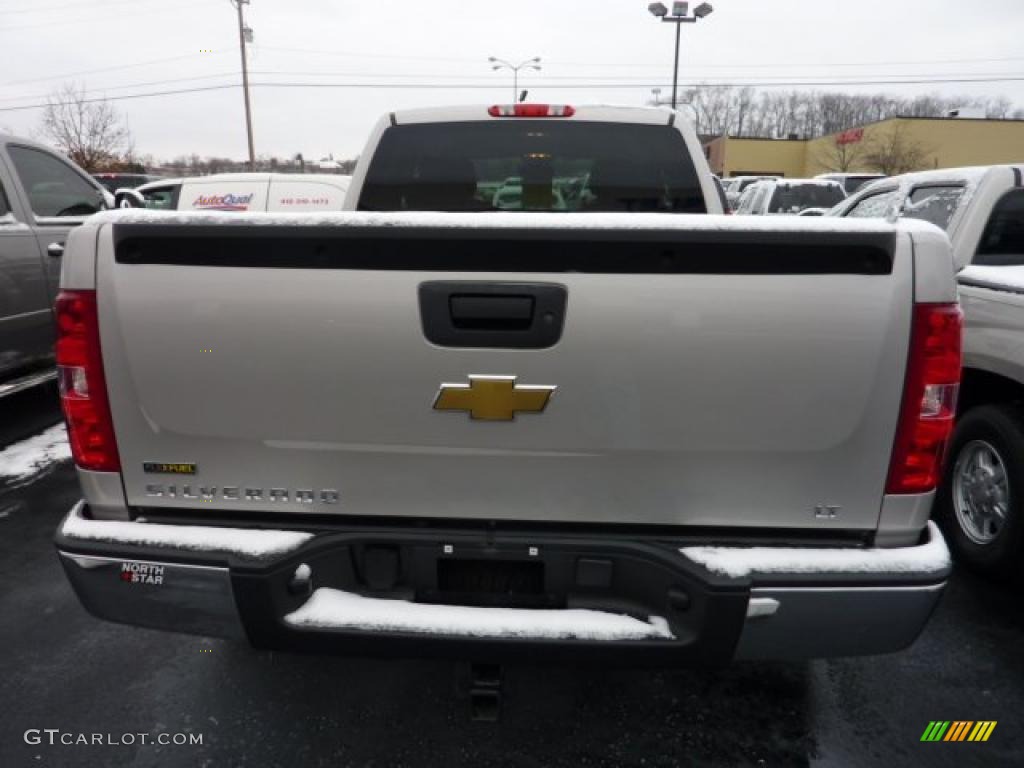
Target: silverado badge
[{"x": 493, "y": 398}]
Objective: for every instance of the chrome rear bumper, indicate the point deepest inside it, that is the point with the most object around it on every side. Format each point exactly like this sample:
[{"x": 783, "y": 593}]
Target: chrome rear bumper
[
  {"x": 796, "y": 615},
  {"x": 195, "y": 599}
]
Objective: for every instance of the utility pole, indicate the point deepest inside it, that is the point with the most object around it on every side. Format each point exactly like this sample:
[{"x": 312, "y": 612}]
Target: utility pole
[
  {"x": 675, "y": 70},
  {"x": 245, "y": 80}
]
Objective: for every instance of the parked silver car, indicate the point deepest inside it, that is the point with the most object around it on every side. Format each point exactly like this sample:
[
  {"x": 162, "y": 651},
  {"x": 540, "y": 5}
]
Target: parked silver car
[{"x": 42, "y": 196}]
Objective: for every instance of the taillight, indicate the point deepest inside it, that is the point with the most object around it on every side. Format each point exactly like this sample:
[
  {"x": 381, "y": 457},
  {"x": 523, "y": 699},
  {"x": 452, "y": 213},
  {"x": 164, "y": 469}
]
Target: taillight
[
  {"x": 83, "y": 389},
  {"x": 531, "y": 110},
  {"x": 929, "y": 399}
]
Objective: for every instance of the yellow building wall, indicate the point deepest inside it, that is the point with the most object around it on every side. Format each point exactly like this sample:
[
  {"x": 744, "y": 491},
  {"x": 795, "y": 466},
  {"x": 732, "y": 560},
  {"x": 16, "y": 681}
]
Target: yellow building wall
[
  {"x": 947, "y": 143},
  {"x": 767, "y": 156}
]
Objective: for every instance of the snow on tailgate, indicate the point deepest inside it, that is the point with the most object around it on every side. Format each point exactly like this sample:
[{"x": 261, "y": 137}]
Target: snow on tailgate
[
  {"x": 335, "y": 609},
  {"x": 506, "y": 220},
  {"x": 238, "y": 541},
  {"x": 737, "y": 562}
]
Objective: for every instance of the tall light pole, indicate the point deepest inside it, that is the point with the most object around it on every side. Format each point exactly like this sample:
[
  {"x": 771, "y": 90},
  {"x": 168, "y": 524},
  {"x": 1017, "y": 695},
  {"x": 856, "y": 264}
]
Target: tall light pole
[
  {"x": 497, "y": 64},
  {"x": 243, "y": 33},
  {"x": 679, "y": 16}
]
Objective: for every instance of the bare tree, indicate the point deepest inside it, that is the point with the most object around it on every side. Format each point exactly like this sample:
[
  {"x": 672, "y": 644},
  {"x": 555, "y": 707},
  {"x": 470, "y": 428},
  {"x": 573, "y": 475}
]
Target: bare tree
[
  {"x": 808, "y": 114},
  {"x": 894, "y": 152},
  {"x": 89, "y": 131}
]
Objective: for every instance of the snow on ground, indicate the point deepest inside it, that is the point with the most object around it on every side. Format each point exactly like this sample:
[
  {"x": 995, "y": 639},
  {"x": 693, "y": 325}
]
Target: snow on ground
[
  {"x": 742, "y": 561},
  {"x": 336, "y": 609},
  {"x": 1009, "y": 278},
  {"x": 20, "y": 461},
  {"x": 239, "y": 541}
]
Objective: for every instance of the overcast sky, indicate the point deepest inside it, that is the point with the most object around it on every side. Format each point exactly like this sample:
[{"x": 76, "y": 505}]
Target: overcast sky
[{"x": 121, "y": 47}]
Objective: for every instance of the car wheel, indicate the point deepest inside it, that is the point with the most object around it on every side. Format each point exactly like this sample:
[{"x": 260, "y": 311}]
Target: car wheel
[{"x": 979, "y": 505}]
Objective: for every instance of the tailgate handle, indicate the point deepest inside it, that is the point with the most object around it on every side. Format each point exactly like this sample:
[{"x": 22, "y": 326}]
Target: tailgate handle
[
  {"x": 498, "y": 315},
  {"x": 494, "y": 312}
]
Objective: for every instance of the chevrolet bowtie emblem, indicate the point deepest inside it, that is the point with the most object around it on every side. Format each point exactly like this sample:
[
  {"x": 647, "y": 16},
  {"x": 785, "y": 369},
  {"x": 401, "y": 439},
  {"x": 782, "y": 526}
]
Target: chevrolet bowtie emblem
[{"x": 493, "y": 398}]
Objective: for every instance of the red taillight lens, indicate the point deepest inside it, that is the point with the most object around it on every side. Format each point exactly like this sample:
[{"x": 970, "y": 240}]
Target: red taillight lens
[
  {"x": 83, "y": 390},
  {"x": 929, "y": 398},
  {"x": 531, "y": 110}
]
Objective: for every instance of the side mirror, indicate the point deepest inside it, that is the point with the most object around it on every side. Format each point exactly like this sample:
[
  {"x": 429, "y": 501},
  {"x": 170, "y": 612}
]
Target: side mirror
[
  {"x": 812, "y": 212},
  {"x": 129, "y": 198}
]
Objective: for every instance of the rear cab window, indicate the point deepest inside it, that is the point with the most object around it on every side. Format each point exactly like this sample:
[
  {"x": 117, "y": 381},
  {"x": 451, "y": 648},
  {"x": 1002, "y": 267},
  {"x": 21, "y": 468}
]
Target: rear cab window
[
  {"x": 532, "y": 165},
  {"x": 793, "y": 198},
  {"x": 1002, "y": 243}
]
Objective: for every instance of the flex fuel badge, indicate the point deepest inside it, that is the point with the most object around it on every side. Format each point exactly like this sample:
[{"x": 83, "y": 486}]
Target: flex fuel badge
[
  {"x": 165, "y": 468},
  {"x": 142, "y": 573}
]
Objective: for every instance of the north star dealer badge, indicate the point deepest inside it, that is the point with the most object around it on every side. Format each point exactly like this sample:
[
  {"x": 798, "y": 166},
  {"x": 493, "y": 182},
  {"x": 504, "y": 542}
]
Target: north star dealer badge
[{"x": 142, "y": 573}]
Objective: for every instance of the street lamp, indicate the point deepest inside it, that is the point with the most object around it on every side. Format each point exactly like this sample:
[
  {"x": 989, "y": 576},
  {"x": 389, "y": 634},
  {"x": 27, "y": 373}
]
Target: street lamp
[
  {"x": 680, "y": 15},
  {"x": 497, "y": 64}
]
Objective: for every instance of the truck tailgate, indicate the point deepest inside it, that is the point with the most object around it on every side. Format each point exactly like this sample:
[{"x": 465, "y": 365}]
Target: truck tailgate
[{"x": 704, "y": 374}]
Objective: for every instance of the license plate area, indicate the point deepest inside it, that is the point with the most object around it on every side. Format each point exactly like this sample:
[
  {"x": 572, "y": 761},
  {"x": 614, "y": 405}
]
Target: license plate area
[{"x": 492, "y": 582}]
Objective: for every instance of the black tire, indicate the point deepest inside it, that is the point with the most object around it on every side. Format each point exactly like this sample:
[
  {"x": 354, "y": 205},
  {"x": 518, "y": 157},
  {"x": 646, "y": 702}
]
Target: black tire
[{"x": 1002, "y": 427}]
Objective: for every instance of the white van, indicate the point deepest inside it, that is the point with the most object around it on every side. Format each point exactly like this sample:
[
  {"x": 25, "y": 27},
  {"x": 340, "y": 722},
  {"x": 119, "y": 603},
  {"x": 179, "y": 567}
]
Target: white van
[{"x": 252, "y": 192}]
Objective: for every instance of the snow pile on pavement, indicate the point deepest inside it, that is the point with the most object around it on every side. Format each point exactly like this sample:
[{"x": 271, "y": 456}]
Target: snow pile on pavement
[
  {"x": 1009, "y": 278},
  {"x": 239, "y": 541},
  {"x": 21, "y": 461},
  {"x": 336, "y": 609},
  {"x": 742, "y": 561}
]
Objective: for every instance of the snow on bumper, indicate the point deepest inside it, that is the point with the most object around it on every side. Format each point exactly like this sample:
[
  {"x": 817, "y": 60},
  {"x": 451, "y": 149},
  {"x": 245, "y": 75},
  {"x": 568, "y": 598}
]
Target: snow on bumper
[
  {"x": 336, "y": 609},
  {"x": 244, "y": 542},
  {"x": 660, "y": 604},
  {"x": 930, "y": 557}
]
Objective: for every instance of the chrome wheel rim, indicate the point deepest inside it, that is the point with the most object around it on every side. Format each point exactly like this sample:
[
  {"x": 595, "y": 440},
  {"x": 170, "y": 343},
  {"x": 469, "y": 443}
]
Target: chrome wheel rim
[{"x": 981, "y": 492}]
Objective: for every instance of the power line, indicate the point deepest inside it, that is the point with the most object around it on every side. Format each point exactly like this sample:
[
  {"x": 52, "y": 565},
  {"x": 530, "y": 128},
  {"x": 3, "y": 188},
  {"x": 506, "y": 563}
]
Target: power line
[
  {"x": 566, "y": 81},
  {"x": 539, "y": 86},
  {"x": 826, "y": 65},
  {"x": 363, "y": 55},
  {"x": 932, "y": 62},
  {"x": 85, "y": 6},
  {"x": 169, "y": 59},
  {"x": 96, "y": 17},
  {"x": 133, "y": 85},
  {"x": 133, "y": 65}
]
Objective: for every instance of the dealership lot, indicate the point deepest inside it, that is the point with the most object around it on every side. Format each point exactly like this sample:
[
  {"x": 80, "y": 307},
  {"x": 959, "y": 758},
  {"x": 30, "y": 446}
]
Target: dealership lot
[{"x": 257, "y": 708}]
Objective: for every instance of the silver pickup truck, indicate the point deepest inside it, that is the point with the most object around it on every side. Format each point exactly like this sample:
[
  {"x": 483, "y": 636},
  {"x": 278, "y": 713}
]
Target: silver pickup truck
[
  {"x": 615, "y": 431},
  {"x": 981, "y": 501},
  {"x": 42, "y": 196}
]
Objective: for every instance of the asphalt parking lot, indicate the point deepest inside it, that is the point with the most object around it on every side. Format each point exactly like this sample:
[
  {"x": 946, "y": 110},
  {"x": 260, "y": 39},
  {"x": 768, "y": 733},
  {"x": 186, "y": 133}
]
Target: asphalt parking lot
[{"x": 64, "y": 670}]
